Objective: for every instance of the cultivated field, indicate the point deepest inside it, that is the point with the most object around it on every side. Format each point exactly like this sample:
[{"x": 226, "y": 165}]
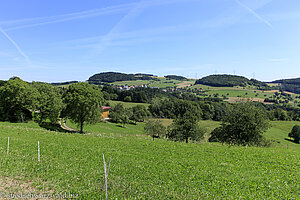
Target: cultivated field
[{"x": 144, "y": 169}]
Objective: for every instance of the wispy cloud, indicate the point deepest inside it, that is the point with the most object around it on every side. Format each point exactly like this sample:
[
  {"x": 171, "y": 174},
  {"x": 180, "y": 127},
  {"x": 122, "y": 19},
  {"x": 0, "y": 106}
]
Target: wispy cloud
[
  {"x": 254, "y": 13},
  {"x": 39, "y": 21},
  {"x": 16, "y": 46},
  {"x": 121, "y": 25}
]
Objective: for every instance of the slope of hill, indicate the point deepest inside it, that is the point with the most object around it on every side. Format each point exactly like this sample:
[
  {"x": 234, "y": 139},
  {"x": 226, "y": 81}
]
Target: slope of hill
[
  {"x": 225, "y": 80},
  {"x": 179, "y": 78},
  {"x": 145, "y": 169},
  {"x": 290, "y": 85},
  {"x": 110, "y": 77}
]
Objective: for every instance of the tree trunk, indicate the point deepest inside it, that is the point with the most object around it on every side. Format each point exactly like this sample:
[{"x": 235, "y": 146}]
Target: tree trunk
[
  {"x": 186, "y": 140},
  {"x": 81, "y": 127},
  {"x": 22, "y": 118},
  {"x": 153, "y": 137}
]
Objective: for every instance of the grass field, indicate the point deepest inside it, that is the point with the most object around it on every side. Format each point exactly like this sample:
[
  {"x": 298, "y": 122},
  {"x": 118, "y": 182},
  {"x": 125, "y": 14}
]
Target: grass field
[
  {"x": 143, "y": 169},
  {"x": 160, "y": 83}
]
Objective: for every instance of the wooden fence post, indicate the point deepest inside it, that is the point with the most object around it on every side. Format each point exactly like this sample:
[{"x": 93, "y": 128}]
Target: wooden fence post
[
  {"x": 7, "y": 145},
  {"x": 39, "y": 151},
  {"x": 106, "y": 170}
]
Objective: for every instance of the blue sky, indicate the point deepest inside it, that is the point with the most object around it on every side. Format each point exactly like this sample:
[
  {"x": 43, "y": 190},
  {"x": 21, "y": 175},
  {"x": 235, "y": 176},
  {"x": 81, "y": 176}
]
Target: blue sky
[{"x": 60, "y": 40}]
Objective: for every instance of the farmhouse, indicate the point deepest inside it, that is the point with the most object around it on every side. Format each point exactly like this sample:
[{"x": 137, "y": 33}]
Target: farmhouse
[{"x": 105, "y": 112}]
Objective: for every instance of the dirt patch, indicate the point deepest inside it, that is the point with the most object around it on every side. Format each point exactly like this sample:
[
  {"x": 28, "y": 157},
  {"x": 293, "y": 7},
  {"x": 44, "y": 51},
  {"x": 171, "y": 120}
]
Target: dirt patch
[
  {"x": 184, "y": 84},
  {"x": 239, "y": 99},
  {"x": 273, "y": 91},
  {"x": 18, "y": 189}
]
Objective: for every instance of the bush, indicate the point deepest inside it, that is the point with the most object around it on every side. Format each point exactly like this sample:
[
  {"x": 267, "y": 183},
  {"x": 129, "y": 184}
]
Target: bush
[{"x": 295, "y": 133}]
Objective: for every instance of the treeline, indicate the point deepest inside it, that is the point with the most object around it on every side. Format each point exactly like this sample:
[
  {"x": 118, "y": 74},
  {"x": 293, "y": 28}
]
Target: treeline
[
  {"x": 110, "y": 77},
  {"x": 290, "y": 85},
  {"x": 21, "y": 101},
  {"x": 179, "y": 78},
  {"x": 145, "y": 95},
  {"x": 229, "y": 81},
  {"x": 63, "y": 83}
]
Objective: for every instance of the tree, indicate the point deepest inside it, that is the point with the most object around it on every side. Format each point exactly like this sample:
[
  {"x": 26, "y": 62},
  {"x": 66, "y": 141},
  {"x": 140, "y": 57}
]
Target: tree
[
  {"x": 119, "y": 114},
  {"x": 49, "y": 102},
  {"x": 127, "y": 99},
  {"x": 154, "y": 128},
  {"x": 244, "y": 124},
  {"x": 185, "y": 128},
  {"x": 295, "y": 133},
  {"x": 17, "y": 100},
  {"x": 83, "y": 103},
  {"x": 139, "y": 113}
]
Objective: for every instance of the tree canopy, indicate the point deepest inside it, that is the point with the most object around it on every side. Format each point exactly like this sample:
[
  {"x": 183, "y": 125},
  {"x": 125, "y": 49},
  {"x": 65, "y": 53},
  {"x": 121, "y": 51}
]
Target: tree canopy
[
  {"x": 155, "y": 128},
  {"x": 18, "y": 100},
  {"x": 110, "y": 77},
  {"x": 185, "y": 128},
  {"x": 49, "y": 102},
  {"x": 83, "y": 103},
  {"x": 295, "y": 133},
  {"x": 244, "y": 124},
  {"x": 224, "y": 80}
]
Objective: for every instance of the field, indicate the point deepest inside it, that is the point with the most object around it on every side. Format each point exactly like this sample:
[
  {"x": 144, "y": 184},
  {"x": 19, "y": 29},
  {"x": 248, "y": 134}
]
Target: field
[
  {"x": 160, "y": 83},
  {"x": 128, "y": 104},
  {"x": 143, "y": 169}
]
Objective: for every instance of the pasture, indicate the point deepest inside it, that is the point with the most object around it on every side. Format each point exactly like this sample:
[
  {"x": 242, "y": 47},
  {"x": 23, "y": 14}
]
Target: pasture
[
  {"x": 146, "y": 169},
  {"x": 161, "y": 82}
]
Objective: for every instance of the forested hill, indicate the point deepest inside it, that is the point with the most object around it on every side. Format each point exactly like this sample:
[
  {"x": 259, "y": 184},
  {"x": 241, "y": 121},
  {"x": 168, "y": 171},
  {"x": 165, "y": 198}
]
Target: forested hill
[
  {"x": 179, "y": 78},
  {"x": 290, "y": 85},
  {"x": 110, "y": 77},
  {"x": 225, "y": 80}
]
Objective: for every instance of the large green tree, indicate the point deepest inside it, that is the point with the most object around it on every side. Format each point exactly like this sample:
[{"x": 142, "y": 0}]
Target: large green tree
[
  {"x": 49, "y": 104},
  {"x": 244, "y": 124},
  {"x": 17, "y": 100},
  {"x": 154, "y": 128},
  {"x": 83, "y": 103},
  {"x": 185, "y": 128},
  {"x": 139, "y": 113},
  {"x": 119, "y": 114}
]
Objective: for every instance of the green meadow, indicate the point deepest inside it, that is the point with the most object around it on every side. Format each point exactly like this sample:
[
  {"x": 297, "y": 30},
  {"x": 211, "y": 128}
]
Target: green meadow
[
  {"x": 146, "y": 169},
  {"x": 161, "y": 82}
]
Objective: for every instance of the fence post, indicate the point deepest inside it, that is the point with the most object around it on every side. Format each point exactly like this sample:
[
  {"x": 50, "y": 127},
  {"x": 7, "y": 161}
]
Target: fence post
[
  {"x": 106, "y": 170},
  {"x": 39, "y": 151},
  {"x": 7, "y": 145}
]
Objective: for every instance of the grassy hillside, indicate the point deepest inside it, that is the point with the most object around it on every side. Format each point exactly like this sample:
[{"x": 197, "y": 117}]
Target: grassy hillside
[
  {"x": 160, "y": 82},
  {"x": 144, "y": 169}
]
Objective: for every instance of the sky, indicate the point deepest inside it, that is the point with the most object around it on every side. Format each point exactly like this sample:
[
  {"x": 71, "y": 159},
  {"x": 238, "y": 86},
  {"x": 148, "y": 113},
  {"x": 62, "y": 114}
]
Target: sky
[{"x": 63, "y": 40}]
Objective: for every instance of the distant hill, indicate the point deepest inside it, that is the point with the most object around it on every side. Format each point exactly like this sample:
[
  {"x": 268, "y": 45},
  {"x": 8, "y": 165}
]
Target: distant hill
[
  {"x": 110, "y": 77},
  {"x": 225, "y": 80},
  {"x": 290, "y": 85},
  {"x": 63, "y": 83},
  {"x": 179, "y": 78}
]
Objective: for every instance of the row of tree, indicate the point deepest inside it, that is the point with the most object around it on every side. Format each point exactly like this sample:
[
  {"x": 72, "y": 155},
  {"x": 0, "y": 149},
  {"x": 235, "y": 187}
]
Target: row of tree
[
  {"x": 21, "y": 101},
  {"x": 243, "y": 124}
]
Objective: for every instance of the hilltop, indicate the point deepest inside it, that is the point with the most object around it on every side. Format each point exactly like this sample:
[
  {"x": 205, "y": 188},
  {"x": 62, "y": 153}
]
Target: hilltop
[
  {"x": 226, "y": 80},
  {"x": 290, "y": 85},
  {"x": 110, "y": 77}
]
